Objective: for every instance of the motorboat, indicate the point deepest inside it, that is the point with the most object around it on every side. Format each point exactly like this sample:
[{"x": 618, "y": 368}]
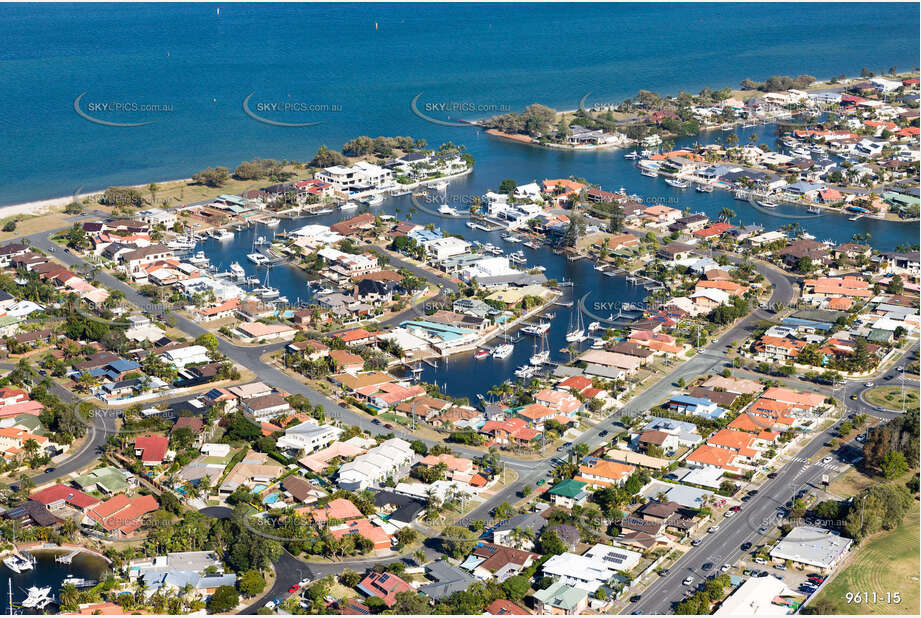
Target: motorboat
[
  {"x": 447, "y": 210},
  {"x": 272, "y": 222},
  {"x": 815, "y": 210},
  {"x": 374, "y": 200},
  {"x": 199, "y": 259},
  {"x": 39, "y": 598},
  {"x": 677, "y": 183},
  {"x": 182, "y": 243},
  {"x": 594, "y": 326},
  {"x": 323, "y": 211},
  {"x": 511, "y": 238},
  {"x": 481, "y": 354},
  {"x": 18, "y": 563},
  {"x": 471, "y": 225},
  {"x": 237, "y": 271},
  {"x": 349, "y": 206},
  {"x": 503, "y": 351},
  {"x": 536, "y": 329},
  {"x": 767, "y": 204},
  {"x": 704, "y": 188},
  {"x": 517, "y": 258},
  {"x": 222, "y": 235},
  {"x": 441, "y": 185},
  {"x": 649, "y": 173},
  {"x": 532, "y": 245},
  {"x": 252, "y": 281},
  {"x": 257, "y": 258},
  {"x": 630, "y": 307},
  {"x": 598, "y": 343},
  {"x": 632, "y": 156},
  {"x": 398, "y": 193},
  {"x": 260, "y": 240},
  {"x": 525, "y": 371}
]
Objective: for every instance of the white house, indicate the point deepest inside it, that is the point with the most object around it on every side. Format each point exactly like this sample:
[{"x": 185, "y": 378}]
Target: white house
[{"x": 308, "y": 437}]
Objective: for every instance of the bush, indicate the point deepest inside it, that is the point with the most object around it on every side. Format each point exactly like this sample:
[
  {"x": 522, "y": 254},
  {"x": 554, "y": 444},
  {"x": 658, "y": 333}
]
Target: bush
[{"x": 224, "y": 599}]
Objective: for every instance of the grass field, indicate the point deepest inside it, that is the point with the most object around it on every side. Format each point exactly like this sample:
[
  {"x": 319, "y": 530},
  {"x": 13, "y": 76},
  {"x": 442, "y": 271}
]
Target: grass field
[
  {"x": 887, "y": 563},
  {"x": 890, "y": 397}
]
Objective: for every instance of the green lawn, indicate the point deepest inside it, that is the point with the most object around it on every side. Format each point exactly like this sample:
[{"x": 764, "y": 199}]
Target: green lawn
[
  {"x": 886, "y": 563},
  {"x": 890, "y": 397}
]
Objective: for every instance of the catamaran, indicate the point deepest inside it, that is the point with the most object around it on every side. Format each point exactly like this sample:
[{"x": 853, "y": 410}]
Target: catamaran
[
  {"x": 503, "y": 351},
  {"x": 17, "y": 563},
  {"x": 266, "y": 292},
  {"x": 257, "y": 258},
  {"x": 39, "y": 598}
]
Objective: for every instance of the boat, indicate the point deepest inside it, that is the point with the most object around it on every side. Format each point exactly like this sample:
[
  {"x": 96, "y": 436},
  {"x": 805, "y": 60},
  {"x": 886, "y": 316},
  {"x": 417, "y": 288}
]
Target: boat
[
  {"x": 854, "y": 218},
  {"x": 503, "y": 351},
  {"x": 483, "y": 353},
  {"x": 536, "y": 329},
  {"x": 374, "y": 200},
  {"x": 471, "y": 225},
  {"x": 541, "y": 356},
  {"x": 576, "y": 330},
  {"x": 594, "y": 326},
  {"x": 742, "y": 196},
  {"x": 511, "y": 238},
  {"x": 323, "y": 211},
  {"x": 807, "y": 236},
  {"x": 677, "y": 183},
  {"x": 633, "y": 156},
  {"x": 398, "y": 193},
  {"x": 182, "y": 243},
  {"x": 39, "y": 598},
  {"x": 766, "y": 204},
  {"x": 814, "y": 210},
  {"x": 517, "y": 258},
  {"x": 532, "y": 245},
  {"x": 253, "y": 281},
  {"x": 525, "y": 371},
  {"x": 649, "y": 173},
  {"x": 18, "y": 563},
  {"x": 260, "y": 240},
  {"x": 726, "y": 127},
  {"x": 447, "y": 210},
  {"x": 441, "y": 186},
  {"x": 630, "y": 307},
  {"x": 349, "y": 206},
  {"x": 272, "y": 222},
  {"x": 598, "y": 343},
  {"x": 257, "y": 258},
  {"x": 704, "y": 188},
  {"x": 199, "y": 259},
  {"x": 237, "y": 271}
]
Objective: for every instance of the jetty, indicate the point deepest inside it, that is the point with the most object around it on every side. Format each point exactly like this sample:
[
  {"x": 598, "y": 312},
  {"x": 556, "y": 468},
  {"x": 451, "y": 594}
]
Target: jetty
[{"x": 66, "y": 558}]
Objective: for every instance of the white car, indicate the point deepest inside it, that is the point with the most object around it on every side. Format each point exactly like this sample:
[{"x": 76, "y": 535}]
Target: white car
[
  {"x": 713, "y": 529},
  {"x": 688, "y": 580},
  {"x": 868, "y": 384},
  {"x": 729, "y": 513},
  {"x": 725, "y": 568},
  {"x": 826, "y": 459}
]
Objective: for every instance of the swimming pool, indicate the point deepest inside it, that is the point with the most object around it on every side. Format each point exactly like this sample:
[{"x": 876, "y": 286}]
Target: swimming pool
[
  {"x": 259, "y": 488},
  {"x": 271, "y": 498}
]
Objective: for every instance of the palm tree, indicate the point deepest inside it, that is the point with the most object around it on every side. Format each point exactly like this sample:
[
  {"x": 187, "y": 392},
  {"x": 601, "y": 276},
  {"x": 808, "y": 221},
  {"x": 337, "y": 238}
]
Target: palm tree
[{"x": 726, "y": 214}]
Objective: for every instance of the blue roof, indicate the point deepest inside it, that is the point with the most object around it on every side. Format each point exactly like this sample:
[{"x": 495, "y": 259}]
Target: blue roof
[
  {"x": 691, "y": 401},
  {"x": 809, "y": 323},
  {"x": 122, "y": 365}
]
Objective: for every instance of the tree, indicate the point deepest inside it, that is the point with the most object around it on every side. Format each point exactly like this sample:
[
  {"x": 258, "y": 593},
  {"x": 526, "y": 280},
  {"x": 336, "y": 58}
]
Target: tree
[
  {"x": 411, "y": 603},
  {"x": 349, "y": 578},
  {"x": 457, "y": 541},
  {"x": 516, "y": 587},
  {"x": 252, "y": 582},
  {"x": 550, "y": 543},
  {"x": 508, "y": 186},
  {"x": 895, "y": 285},
  {"x": 894, "y": 465},
  {"x": 406, "y": 536},
  {"x": 224, "y": 599},
  {"x": 208, "y": 340},
  {"x": 212, "y": 176}
]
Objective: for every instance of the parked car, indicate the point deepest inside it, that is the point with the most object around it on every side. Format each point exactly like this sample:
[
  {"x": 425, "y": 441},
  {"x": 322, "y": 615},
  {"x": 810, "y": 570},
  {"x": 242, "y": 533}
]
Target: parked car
[
  {"x": 603, "y": 433},
  {"x": 729, "y": 513},
  {"x": 826, "y": 460},
  {"x": 664, "y": 572},
  {"x": 746, "y": 546},
  {"x": 706, "y": 566},
  {"x": 697, "y": 542},
  {"x": 760, "y": 560},
  {"x": 636, "y": 598},
  {"x": 294, "y": 588},
  {"x": 376, "y": 421},
  {"x": 688, "y": 580},
  {"x": 713, "y": 529},
  {"x": 772, "y": 475},
  {"x": 868, "y": 384},
  {"x": 736, "y": 509},
  {"x": 780, "y": 567}
]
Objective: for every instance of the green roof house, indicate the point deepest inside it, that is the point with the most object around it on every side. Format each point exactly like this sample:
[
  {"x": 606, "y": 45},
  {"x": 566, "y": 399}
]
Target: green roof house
[
  {"x": 561, "y": 599},
  {"x": 109, "y": 480},
  {"x": 568, "y": 493}
]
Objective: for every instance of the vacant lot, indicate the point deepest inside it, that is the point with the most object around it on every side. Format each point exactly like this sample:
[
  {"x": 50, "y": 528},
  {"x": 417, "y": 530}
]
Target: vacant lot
[
  {"x": 887, "y": 563},
  {"x": 890, "y": 397}
]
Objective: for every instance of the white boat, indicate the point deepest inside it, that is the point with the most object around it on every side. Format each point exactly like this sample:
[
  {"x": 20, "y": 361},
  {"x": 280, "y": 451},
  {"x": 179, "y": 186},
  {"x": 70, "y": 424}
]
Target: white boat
[
  {"x": 807, "y": 236},
  {"x": 441, "y": 186},
  {"x": 447, "y": 210},
  {"x": 633, "y": 156},
  {"x": 199, "y": 259},
  {"x": 540, "y": 358},
  {"x": 182, "y": 242},
  {"x": 471, "y": 225},
  {"x": 517, "y": 258},
  {"x": 398, "y": 193},
  {"x": 704, "y": 188},
  {"x": 260, "y": 240},
  {"x": 323, "y": 211},
  {"x": 503, "y": 351},
  {"x": 576, "y": 330},
  {"x": 349, "y": 206},
  {"x": 536, "y": 329},
  {"x": 767, "y": 204},
  {"x": 374, "y": 200},
  {"x": 237, "y": 271},
  {"x": 17, "y": 563},
  {"x": 257, "y": 258},
  {"x": 594, "y": 326},
  {"x": 598, "y": 344},
  {"x": 511, "y": 238},
  {"x": 649, "y": 173},
  {"x": 38, "y": 598},
  {"x": 677, "y": 182},
  {"x": 272, "y": 222},
  {"x": 324, "y": 291},
  {"x": 525, "y": 371},
  {"x": 252, "y": 281},
  {"x": 630, "y": 307}
]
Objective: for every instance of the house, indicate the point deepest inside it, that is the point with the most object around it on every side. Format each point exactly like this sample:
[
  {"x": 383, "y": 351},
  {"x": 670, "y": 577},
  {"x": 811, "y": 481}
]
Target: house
[
  {"x": 507, "y": 533},
  {"x": 379, "y": 537},
  {"x": 503, "y": 607},
  {"x": 447, "y": 579},
  {"x": 561, "y": 600},
  {"x": 59, "y": 496},
  {"x": 151, "y": 450},
  {"x": 759, "y": 596},
  {"x": 266, "y": 407},
  {"x": 810, "y": 546},
  {"x": 121, "y": 515},
  {"x": 707, "y": 456},
  {"x": 384, "y": 586},
  {"x": 569, "y": 493},
  {"x": 376, "y": 465},
  {"x": 251, "y": 332},
  {"x": 308, "y": 437},
  {"x": 491, "y": 561},
  {"x": 683, "y": 433},
  {"x": 604, "y": 473},
  {"x": 686, "y": 404},
  {"x": 733, "y": 385},
  {"x": 510, "y": 431}
]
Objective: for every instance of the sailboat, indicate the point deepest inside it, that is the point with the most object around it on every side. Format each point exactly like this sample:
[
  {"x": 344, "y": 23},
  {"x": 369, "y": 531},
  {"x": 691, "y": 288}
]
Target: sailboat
[
  {"x": 542, "y": 356},
  {"x": 576, "y": 331},
  {"x": 266, "y": 292}
]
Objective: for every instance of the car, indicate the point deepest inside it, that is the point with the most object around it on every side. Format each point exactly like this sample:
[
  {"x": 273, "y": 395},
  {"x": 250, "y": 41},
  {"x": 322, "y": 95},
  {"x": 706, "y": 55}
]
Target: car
[
  {"x": 50, "y": 469},
  {"x": 772, "y": 475},
  {"x": 807, "y": 588},
  {"x": 270, "y": 604},
  {"x": 706, "y": 566},
  {"x": 713, "y": 529},
  {"x": 388, "y": 426},
  {"x": 541, "y": 482},
  {"x": 729, "y": 513},
  {"x": 376, "y": 421},
  {"x": 780, "y": 567},
  {"x": 603, "y": 433},
  {"x": 664, "y": 572},
  {"x": 861, "y": 438},
  {"x": 746, "y": 546},
  {"x": 763, "y": 574},
  {"x": 889, "y": 377},
  {"x": 736, "y": 509},
  {"x": 868, "y": 384},
  {"x": 688, "y": 580},
  {"x": 748, "y": 572},
  {"x": 294, "y": 588},
  {"x": 802, "y": 492},
  {"x": 760, "y": 560},
  {"x": 697, "y": 542},
  {"x": 725, "y": 568},
  {"x": 745, "y": 498},
  {"x": 763, "y": 529},
  {"x": 816, "y": 580},
  {"x": 636, "y": 598},
  {"x": 826, "y": 460},
  {"x": 637, "y": 612},
  {"x": 854, "y": 397}
]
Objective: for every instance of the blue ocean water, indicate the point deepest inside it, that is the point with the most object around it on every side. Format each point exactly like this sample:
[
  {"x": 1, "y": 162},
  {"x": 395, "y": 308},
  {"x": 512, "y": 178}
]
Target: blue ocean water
[{"x": 371, "y": 60}]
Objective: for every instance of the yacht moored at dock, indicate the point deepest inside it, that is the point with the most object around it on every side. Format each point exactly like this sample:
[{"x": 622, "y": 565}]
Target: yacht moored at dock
[{"x": 503, "y": 351}]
